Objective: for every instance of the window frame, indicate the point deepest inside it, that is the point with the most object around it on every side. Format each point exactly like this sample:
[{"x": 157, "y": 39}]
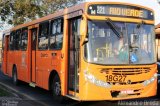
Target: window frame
[
  {"x": 11, "y": 40},
  {"x": 22, "y": 34},
  {"x": 56, "y": 34},
  {"x": 3, "y": 41},
  {"x": 47, "y": 35},
  {"x": 17, "y": 39}
]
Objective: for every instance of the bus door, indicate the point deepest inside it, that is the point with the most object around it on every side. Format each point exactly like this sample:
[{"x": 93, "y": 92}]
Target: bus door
[
  {"x": 74, "y": 48},
  {"x": 5, "y": 53},
  {"x": 33, "y": 53}
]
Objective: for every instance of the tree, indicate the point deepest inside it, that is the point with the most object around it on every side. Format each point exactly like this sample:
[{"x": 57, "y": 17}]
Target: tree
[
  {"x": 5, "y": 10},
  {"x": 19, "y": 11},
  {"x": 50, "y": 6}
]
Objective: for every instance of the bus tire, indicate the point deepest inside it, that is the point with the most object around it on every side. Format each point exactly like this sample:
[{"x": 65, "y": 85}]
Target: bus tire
[
  {"x": 56, "y": 90},
  {"x": 14, "y": 76}
]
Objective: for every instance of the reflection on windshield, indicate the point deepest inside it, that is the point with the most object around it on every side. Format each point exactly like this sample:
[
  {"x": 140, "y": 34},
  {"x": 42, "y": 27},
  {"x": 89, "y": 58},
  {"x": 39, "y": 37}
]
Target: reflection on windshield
[
  {"x": 142, "y": 44},
  {"x": 105, "y": 47}
]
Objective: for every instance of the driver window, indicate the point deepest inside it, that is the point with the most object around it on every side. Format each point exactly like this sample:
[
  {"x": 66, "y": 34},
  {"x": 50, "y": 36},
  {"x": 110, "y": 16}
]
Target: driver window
[{"x": 105, "y": 44}]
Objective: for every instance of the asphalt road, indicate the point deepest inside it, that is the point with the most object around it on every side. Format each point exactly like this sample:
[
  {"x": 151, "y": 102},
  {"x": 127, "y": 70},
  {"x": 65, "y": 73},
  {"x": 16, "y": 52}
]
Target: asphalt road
[{"x": 39, "y": 97}]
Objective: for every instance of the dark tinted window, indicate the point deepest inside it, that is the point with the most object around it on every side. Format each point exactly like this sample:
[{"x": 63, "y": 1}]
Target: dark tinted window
[
  {"x": 56, "y": 38},
  {"x": 17, "y": 39},
  {"x": 43, "y": 36},
  {"x": 11, "y": 41},
  {"x": 24, "y": 39},
  {"x": 3, "y": 42}
]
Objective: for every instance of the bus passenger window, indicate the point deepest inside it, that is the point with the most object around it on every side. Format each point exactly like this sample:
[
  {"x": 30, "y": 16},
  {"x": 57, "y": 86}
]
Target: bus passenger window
[
  {"x": 17, "y": 39},
  {"x": 3, "y": 42},
  {"x": 24, "y": 39},
  {"x": 56, "y": 38},
  {"x": 43, "y": 36},
  {"x": 11, "y": 42}
]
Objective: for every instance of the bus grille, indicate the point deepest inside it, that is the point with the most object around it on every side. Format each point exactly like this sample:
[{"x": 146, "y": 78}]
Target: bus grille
[{"x": 127, "y": 71}]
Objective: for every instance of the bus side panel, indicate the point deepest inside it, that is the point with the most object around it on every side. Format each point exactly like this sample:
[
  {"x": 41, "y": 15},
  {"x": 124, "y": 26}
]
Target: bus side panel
[
  {"x": 25, "y": 65},
  {"x": 4, "y": 54},
  {"x": 10, "y": 62},
  {"x": 55, "y": 59},
  {"x": 43, "y": 68},
  {"x": 46, "y": 63},
  {"x": 21, "y": 61},
  {"x": 48, "y": 68},
  {"x": 64, "y": 79},
  {"x": 39, "y": 69},
  {"x": 18, "y": 64}
]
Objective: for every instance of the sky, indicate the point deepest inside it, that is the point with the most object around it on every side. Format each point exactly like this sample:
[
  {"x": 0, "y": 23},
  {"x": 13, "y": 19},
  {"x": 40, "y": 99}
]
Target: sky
[{"x": 148, "y": 3}]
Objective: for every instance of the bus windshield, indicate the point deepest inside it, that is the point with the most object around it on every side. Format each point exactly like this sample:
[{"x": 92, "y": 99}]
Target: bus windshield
[{"x": 136, "y": 46}]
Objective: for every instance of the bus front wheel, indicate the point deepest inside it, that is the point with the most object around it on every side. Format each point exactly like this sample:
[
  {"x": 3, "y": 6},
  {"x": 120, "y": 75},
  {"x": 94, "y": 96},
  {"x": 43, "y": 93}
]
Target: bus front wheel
[{"x": 56, "y": 89}]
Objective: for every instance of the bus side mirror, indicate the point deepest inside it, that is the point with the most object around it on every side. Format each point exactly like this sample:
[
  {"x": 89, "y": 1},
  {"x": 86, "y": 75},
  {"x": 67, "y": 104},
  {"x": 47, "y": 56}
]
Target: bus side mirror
[{"x": 83, "y": 30}]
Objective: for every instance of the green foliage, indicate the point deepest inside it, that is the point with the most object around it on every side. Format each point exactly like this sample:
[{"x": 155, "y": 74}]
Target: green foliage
[
  {"x": 19, "y": 11},
  {"x": 49, "y": 6}
]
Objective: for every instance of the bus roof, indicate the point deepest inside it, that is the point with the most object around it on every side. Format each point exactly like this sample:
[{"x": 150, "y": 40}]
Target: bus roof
[
  {"x": 57, "y": 14},
  {"x": 67, "y": 11}
]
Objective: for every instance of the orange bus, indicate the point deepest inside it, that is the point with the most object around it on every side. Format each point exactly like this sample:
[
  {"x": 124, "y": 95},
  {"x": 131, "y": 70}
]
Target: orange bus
[
  {"x": 157, "y": 30},
  {"x": 89, "y": 52}
]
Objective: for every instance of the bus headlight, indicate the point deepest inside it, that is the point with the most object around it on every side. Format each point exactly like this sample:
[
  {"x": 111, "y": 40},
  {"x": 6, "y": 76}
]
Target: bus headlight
[
  {"x": 91, "y": 78},
  {"x": 147, "y": 82}
]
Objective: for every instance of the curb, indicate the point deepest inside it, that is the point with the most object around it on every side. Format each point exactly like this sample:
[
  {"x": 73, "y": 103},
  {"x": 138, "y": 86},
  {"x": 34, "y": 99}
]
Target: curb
[{"x": 20, "y": 95}]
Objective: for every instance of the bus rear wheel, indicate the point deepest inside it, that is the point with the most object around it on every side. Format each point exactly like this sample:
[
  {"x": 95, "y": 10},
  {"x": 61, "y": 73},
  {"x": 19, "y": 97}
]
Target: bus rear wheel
[
  {"x": 56, "y": 89},
  {"x": 14, "y": 76}
]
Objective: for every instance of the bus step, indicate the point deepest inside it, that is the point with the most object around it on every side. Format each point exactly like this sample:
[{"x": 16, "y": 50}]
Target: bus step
[
  {"x": 32, "y": 84},
  {"x": 72, "y": 97}
]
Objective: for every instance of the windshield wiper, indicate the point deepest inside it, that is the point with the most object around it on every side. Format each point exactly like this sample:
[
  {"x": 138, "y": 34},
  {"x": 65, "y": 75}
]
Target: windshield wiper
[{"x": 114, "y": 28}]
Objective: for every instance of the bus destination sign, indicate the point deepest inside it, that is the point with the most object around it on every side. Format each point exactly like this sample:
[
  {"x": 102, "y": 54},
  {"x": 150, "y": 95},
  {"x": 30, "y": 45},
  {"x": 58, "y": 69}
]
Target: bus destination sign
[{"x": 120, "y": 10}]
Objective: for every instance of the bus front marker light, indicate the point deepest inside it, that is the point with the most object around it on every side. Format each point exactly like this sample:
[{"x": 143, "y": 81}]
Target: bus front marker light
[
  {"x": 155, "y": 75},
  {"x": 90, "y": 78},
  {"x": 152, "y": 79},
  {"x": 147, "y": 82}
]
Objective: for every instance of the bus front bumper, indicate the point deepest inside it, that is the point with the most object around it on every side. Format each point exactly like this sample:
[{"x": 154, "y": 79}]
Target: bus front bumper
[{"x": 92, "y": 92}]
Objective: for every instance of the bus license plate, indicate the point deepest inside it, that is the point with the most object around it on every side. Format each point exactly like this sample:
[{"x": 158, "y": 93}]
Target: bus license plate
[
  {"x": 116, "y": 78},
  {"x": 127, "y": 92}
]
